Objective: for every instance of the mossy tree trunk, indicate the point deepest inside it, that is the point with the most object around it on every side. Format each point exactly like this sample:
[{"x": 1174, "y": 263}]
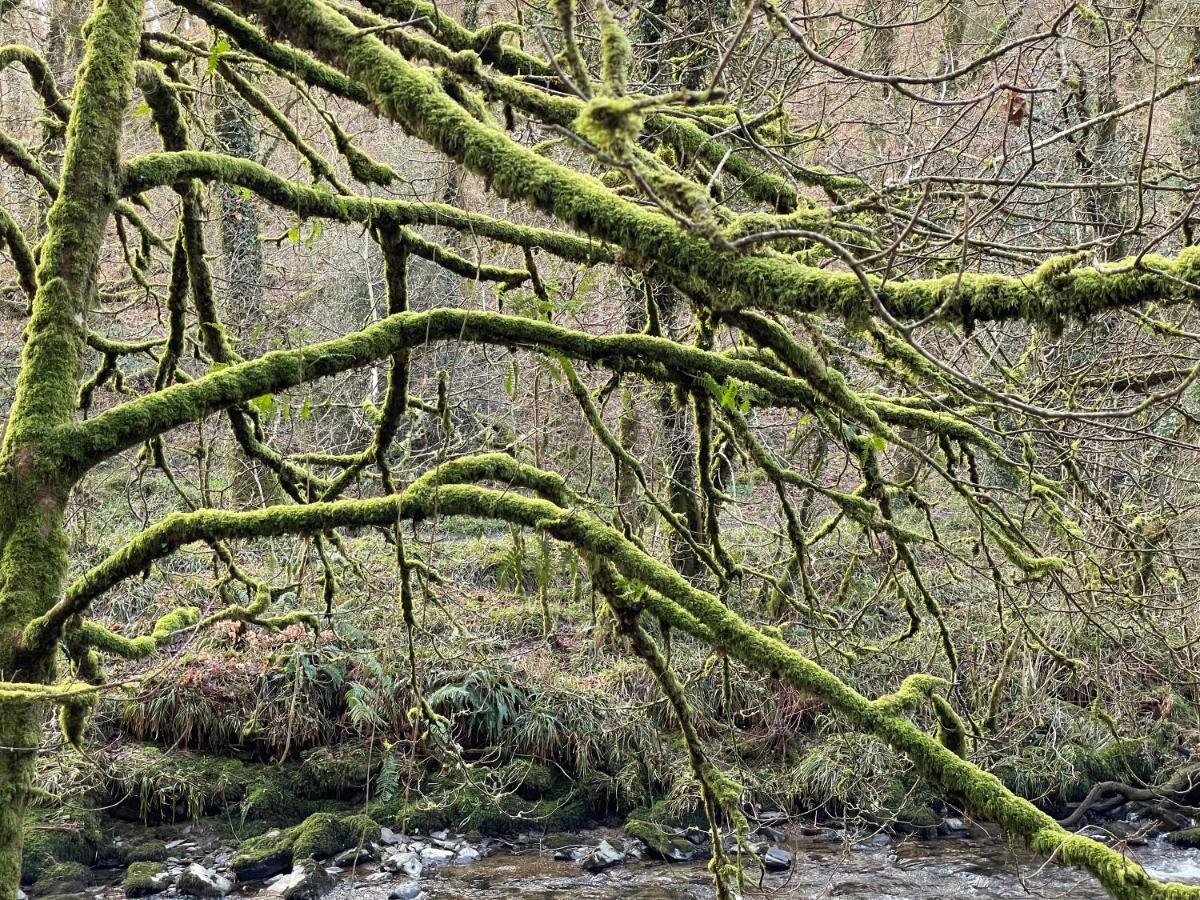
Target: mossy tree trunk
[{"x": 34, "y": 483}]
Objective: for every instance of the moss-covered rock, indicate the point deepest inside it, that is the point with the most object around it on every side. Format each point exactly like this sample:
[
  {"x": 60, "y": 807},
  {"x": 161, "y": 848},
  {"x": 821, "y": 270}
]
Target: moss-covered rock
[
  {"x": 51, "y": 839},
  {"x": 143, "y": 879},
  {"x": 147, "y": 851},
  {"x": 65, "y": 878},
  {"x": 319, "y": 836},
  {"x": 662, "y": 841},
  {"x": 1186, "y": 837}
]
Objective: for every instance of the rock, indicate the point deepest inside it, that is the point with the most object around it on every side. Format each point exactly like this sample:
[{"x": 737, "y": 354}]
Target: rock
[
  {"x": 21, "y": 895},
  {"x": 171, "y": 845},
  {"x": 436, "y": 856},
  {"x": 307, "y": 881},
  {"x": 320, "y": 836},
  {"x": 663, "y": 842},
  {"x": 604, "y": 856},
  {"x": 201, "y": 882},
  {"x": 143, "y": 879},
  {"x": 770, "y": 833},
  {"x": 467, "y": 855},
  {"x": 438, "y": 835},
  {"x": 771, "y": 817},
  {"x": 147, "y": 851},
  {"x": 954, "y": 824},
  {"x": 697, "y": 836},
  {"x": 776, "y": 859},
  {"x": 355, "y": 856},
  {"x": 570, "y": 854},
  {"x": 407, "y": 892},
  {"x": 65, "y": 878},
  {"x": 406, "y": 862},
  {"x": 388, "y": 837}
]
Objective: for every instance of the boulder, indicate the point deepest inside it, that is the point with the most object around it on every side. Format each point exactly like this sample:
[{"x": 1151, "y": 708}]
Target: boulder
[
  {"x": 776, "y": 859},
  {"x": 307, "y": 881},
  {"x": 662, "y": 841},
  {"x": 603, "y": 856},
  {"x": 406, "y": 862},
  {"x": 143, "y": 879},
  {"x": 411, "y": 891},
  {"x": 432, "y": 857},
  {"x": 203, "y": 882}
]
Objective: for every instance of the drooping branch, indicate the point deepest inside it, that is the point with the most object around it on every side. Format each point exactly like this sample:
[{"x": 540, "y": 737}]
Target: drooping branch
[{"x": 673, "y": 600}]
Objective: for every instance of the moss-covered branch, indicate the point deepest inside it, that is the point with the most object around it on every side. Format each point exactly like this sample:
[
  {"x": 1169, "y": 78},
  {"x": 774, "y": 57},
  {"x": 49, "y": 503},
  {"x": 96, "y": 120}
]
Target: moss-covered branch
[
  {"x": 675, "y": 601},
  {"x": 412, "y": 96}
]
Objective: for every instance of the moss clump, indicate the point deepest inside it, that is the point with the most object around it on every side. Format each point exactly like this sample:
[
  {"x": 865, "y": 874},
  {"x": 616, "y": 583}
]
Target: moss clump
[
  {"x": 142, "y": 879},
  {"x": 1186, "y": 837},
  {"x": 471, "y": 808},
  {"x": 612, "y": 124},
  {"x": 319, "y": 836},
  {"x": 65, "y": 878},
  {"x": 147, "y": 851},
  {"x": 661, "y": 840},
  {"x": 47, "y": 842}
]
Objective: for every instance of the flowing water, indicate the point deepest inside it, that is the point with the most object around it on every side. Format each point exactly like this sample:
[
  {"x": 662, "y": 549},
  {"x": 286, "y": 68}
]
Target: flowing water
[{"x": 983, "y": 867}]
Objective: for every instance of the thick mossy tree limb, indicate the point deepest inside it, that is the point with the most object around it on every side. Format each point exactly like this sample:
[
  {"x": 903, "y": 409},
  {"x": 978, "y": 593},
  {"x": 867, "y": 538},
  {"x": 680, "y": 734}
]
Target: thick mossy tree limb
[
  {"x": 673, "y": 600},
  {"x": 1057, "y": 292},
  {"x": 34, "y": 486}
]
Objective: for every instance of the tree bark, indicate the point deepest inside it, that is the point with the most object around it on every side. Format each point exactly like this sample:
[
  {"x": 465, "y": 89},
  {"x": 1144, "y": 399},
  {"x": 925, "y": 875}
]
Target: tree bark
[{"x": 34, "y": 484}]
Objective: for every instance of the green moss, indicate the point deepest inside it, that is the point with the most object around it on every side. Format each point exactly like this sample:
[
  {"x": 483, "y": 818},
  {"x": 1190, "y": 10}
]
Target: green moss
[
  {"x": 49, "y": 840},
  {"x": 65, "y": 878},
  {"x": 320, "y": 836},
  {"x": 147, "y": 851},
  {"x": 143, "y": 879}
]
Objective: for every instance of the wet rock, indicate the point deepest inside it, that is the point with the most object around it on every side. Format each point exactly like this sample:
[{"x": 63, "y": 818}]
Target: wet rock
[
  {"x": 406, "y": 862},
  {"x": 955, "y": 826},
  {"x": 662, "y": 841},
  {"x": 433, "y": 857},
  {"x": 770, "y": 833},
  {"x": 355, "y": 856},
  {"x": 144, "y": 879},
  {"x": 771, "y": 817},
  {"x": 201, "y": 882},
  {"x": 467, "y": 855},
  {"x": 389, "y": 838},
  {"x": 21, "y": 895},
  {"x": 776, "y": 859},
  {"x": 147, "y": 851},
  {"x": 307, "y": 881},
  {"x": 407, "y": 892},
  {"x": 570, "y": 854},
  {"x": 604, "y": 856},
  {"x": 65, "y": 878}
]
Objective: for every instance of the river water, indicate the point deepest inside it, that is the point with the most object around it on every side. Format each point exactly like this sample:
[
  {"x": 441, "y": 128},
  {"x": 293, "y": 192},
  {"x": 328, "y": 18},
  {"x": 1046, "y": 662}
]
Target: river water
[{"x": 951, "y": 869}]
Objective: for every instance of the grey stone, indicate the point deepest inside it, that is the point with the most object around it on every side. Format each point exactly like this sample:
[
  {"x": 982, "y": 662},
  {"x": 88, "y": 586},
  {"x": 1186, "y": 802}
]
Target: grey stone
[
  {"x": 467, "y": 855},
  {"x": 307, "y": 881},
  {"x": 201, "y": 882},
  {"x": 407, "y": 892},
  {"x": 604, "y": 856},
  {"x": 776, "y": 859},
  {"x": 436, "y": 856},
  {"x": 406, "y": 862}
]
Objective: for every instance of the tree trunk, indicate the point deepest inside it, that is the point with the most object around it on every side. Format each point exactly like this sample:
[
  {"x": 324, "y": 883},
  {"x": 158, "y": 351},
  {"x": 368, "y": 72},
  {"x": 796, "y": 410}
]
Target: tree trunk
[
  {"x": 34, "y": 483},
  {"x": 19, "y": 734}
]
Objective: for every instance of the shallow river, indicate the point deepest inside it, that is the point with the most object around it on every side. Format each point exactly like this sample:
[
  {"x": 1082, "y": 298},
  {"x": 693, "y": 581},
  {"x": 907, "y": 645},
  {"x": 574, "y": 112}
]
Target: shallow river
[{"x": 948, "y": 869}]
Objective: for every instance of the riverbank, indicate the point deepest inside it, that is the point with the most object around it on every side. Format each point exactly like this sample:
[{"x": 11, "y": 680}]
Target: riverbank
[{"x": 974, "y": 863}]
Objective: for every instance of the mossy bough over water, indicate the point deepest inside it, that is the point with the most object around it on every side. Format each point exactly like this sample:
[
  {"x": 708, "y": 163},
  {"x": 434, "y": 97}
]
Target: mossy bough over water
[{"x": 671, "y": 599}]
